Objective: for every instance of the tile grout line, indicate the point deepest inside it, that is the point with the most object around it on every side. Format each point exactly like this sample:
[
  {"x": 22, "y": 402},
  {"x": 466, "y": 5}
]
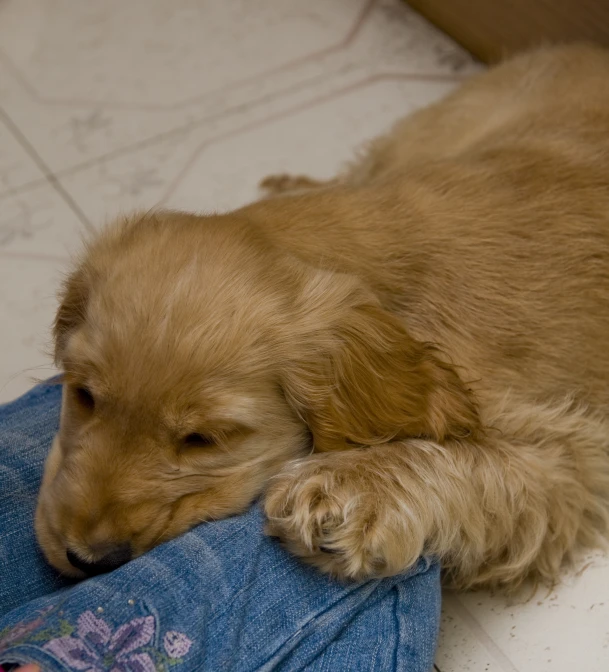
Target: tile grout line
[
  {"x": 184, "y": 129},
  {"x": 483, "y": 637},
  {"x": 10, "y": 254},
  {"x": 27, "y": 147},
  {"x": 285, "y": 113},
  {"x": 352, "y": 33},
  {"x": 177, "y": 131}
]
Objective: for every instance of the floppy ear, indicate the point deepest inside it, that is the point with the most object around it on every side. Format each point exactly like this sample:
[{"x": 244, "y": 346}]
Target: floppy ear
[
  {"x": 73, "y": 297},
  {"x": 360, "y": 378}
]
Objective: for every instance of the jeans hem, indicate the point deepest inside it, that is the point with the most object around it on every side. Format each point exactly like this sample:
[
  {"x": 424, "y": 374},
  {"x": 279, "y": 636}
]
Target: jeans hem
[{"x": 24, "y": 654}]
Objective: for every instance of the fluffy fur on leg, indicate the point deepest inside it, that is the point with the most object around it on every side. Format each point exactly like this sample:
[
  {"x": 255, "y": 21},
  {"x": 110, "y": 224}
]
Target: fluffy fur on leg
[{"x": 496, "y": 512}]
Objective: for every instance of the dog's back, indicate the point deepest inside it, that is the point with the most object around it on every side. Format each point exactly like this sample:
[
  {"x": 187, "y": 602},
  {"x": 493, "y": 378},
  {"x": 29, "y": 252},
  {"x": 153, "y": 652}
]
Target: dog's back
[
  {"x": 484, "y": 222},
  {"x": 518, "y": 204},
  {"x": 539, "y": 96}
]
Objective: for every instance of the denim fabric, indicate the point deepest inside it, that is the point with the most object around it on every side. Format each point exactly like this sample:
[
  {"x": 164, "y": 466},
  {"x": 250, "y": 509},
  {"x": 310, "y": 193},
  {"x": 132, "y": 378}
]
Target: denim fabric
[{"x": 222, "y": 597}]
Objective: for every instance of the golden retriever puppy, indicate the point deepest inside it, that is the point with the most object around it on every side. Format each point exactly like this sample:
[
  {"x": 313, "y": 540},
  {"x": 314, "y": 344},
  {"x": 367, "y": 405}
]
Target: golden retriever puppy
[{"x": 411, "y": 358}]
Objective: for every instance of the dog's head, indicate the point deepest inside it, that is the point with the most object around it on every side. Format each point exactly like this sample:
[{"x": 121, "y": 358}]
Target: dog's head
[{"x": 197, "y": 360}]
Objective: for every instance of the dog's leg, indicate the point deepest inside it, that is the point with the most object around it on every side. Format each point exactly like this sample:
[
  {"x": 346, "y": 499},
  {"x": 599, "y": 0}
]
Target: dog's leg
[{"x": 493, "y": 512}]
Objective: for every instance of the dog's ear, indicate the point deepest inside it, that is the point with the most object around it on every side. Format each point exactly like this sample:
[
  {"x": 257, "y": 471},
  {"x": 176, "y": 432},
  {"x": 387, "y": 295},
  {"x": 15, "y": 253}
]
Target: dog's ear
[
  {"x": 358, "y": 377},
  {"x": 73, "y": 299}
]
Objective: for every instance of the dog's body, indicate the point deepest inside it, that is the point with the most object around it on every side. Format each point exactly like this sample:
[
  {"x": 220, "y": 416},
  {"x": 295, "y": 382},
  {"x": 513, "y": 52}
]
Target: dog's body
[{"x": 479, "y": 226}]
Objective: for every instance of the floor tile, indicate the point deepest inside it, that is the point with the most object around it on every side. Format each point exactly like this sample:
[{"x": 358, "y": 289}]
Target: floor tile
[
  {"x": 39, "y": 222},
  {"x": 565, "y": 630},
  {"x": 16, "y": 166},
  {"x": 461, "y": 649},
  {"x": 66, "y": 63},
  {"x": 204, "y": 170},
  {"x": 27, "y": 307}
]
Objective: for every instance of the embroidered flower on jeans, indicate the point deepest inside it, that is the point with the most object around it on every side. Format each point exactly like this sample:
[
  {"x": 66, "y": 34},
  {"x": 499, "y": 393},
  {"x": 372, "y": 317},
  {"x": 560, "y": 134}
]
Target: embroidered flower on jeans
[
  {"x": 21, "y": 630},
  {"x": 176, "y": 644},
  {"x": 95, "y": 647},
  {"x": 92, "y": 645}
]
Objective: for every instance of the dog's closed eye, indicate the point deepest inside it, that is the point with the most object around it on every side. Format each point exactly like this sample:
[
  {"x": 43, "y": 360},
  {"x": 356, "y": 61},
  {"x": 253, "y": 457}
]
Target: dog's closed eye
[
  {"x": 85, "y": 398},
  {"x": 196, "y": 440}
]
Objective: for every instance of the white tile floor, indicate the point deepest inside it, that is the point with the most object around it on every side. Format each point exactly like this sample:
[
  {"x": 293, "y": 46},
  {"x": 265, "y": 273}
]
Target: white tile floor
[{"x": 109, "y": 105}]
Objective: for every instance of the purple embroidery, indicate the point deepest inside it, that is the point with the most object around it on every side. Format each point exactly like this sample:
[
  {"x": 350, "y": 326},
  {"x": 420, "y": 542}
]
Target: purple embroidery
[
  {"x": 138, "y": 662},
  {"x": 176, "y": 644},
  {"x": 74, "y": 653},
  {"x": 132, "y": 635},
  {"x": 23, "y": 629},
  {"x": 95, "y": 648},
  {"x": 93, "y": 630}
]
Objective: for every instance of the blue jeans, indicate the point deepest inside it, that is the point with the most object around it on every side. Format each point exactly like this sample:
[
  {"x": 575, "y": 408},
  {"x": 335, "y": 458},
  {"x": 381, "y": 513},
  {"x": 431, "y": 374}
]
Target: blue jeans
[{"x": 222, "y": 597}]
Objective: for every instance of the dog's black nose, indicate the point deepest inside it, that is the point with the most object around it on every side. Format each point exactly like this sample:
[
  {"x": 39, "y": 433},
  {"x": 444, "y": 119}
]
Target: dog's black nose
[{"x": 114, "y": 557}]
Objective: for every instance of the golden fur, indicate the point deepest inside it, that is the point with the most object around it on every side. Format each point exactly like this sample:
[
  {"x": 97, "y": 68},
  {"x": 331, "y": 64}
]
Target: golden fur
[{"x": 412, "y": 357}]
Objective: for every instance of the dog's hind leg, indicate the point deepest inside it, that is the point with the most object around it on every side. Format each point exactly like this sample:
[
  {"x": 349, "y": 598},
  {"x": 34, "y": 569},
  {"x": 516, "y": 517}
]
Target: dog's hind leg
[{"x": 283, "y": 183}]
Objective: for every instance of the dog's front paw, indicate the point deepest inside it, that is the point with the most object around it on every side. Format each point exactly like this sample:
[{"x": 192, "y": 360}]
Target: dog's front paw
[{"x": 329, "y": 511}]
